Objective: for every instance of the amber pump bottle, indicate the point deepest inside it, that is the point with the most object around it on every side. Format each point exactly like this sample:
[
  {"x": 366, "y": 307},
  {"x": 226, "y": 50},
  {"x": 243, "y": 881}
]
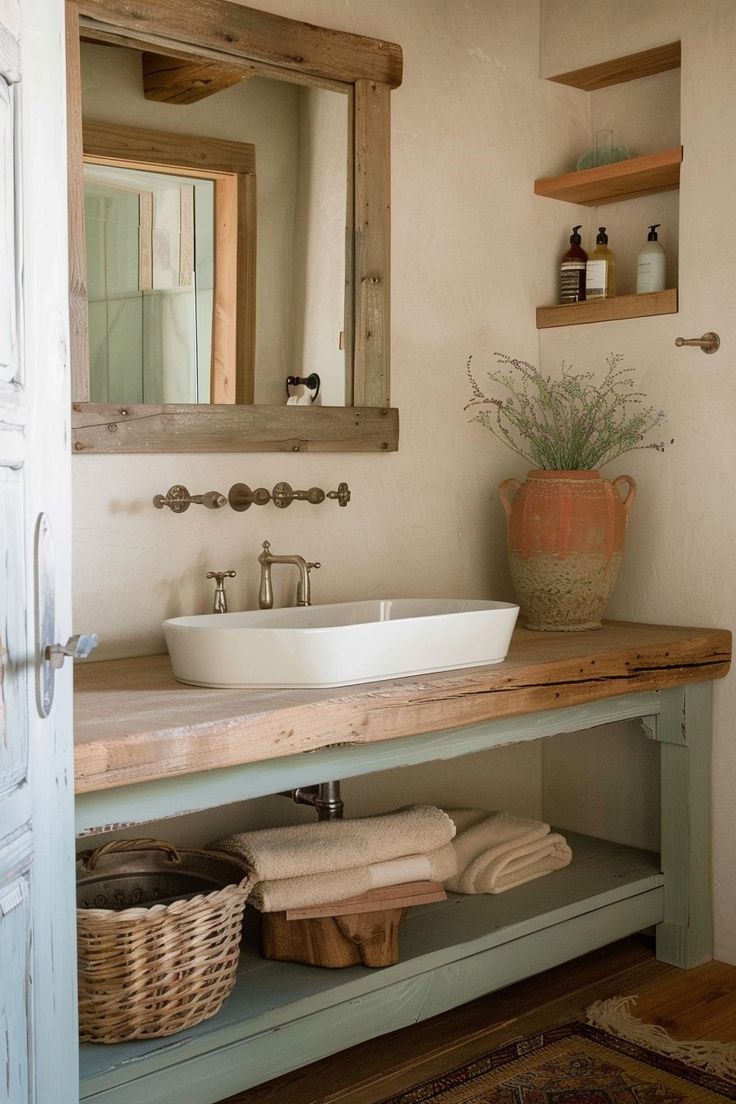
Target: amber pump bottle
[
  {"x": 572, "y": 270},
  {"x": 601, "y": 269}
]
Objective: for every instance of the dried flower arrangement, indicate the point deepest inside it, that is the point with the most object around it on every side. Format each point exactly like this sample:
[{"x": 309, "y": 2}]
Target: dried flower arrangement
[{"x": 569, "y": 422}]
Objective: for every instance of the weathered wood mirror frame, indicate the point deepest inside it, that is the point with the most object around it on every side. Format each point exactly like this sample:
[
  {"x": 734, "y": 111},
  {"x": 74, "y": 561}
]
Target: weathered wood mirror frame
[
  {"x": 245, "y": 38},
  {"x": 232, "y": 168}
]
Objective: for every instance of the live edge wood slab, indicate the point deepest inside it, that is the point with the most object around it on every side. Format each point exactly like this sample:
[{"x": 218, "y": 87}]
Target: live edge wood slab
[{"x": 135, "y": 723}]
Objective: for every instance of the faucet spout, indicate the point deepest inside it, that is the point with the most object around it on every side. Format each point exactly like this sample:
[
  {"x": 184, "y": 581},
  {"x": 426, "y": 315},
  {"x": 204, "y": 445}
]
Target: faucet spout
[{"x": 303, "y": 590}]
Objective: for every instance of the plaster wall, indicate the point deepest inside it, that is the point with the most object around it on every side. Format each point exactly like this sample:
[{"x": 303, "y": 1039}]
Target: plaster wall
[
  {"x": 470, "y": 124},
  {"x": 679, "y": 564}
]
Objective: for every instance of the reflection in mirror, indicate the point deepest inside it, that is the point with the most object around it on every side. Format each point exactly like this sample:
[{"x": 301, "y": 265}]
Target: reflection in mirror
[
  {"x": 300, "y": 137},
  {"x": 150, "y": 285}
]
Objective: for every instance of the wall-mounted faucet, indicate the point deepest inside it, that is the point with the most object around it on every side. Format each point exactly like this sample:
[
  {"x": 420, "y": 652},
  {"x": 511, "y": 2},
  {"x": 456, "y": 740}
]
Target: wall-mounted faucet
[
  {"x": 241, "y": 497},
  {"x": 303, "y": 590}
]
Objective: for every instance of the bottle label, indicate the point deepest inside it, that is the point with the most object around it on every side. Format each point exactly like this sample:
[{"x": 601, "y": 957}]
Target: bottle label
[
  {"x": 572, "y": 281},
  {"x": 644, "y": 280},
  {"x": 596, "y": 280},
  {"x": 650, "y": 272}
]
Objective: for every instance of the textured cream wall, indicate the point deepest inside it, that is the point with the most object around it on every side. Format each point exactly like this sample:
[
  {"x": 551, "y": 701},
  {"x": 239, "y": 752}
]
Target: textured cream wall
[
  {"x": 472, "y": 123},
  {"x": 679, "y": 565}
]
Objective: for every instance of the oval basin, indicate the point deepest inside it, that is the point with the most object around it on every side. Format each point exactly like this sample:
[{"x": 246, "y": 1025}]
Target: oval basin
[{"x": 339, "y": 644}]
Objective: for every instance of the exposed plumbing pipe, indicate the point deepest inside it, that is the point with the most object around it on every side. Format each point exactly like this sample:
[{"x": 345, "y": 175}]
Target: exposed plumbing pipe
[{"x": 324, "y": 797}]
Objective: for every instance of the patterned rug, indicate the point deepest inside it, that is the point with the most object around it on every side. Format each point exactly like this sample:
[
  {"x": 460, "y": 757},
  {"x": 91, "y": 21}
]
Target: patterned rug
[{"x": 576, "y": 1064}]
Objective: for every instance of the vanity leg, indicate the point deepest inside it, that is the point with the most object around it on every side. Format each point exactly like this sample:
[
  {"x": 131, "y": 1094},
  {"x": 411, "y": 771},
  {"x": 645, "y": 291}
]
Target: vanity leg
[{"x": 685, "y": 937}]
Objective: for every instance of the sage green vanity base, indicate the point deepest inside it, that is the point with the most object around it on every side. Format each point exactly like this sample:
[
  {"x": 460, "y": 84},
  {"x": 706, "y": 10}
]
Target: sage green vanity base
[{"x": 282, "y": 1016}]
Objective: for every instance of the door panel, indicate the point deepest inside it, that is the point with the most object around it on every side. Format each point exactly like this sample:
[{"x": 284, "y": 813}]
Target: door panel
[
  {"x": 8, "y": 317},
  {"x": 15, "y": 965},
  {"x": 38, "y": 1037},
  {"x": 13, "y": 695}
]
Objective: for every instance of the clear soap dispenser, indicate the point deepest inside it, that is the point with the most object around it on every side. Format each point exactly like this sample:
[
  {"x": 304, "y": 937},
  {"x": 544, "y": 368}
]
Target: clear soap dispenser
[{"x": 600, "y": 277}]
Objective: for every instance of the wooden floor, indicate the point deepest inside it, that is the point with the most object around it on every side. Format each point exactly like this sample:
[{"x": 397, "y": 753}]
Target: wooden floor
[{"x": 694, "y": 1004}]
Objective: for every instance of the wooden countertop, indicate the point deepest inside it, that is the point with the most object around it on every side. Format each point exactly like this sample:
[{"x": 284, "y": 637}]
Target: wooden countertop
[{"x": 135, "y": 723}]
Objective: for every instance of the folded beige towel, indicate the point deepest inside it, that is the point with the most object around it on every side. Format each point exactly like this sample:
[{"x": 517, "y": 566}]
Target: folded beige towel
[
  {"x": 323, "y": 889},
  {"x": 498, "y": 851},
  {"x": 329, "y": 845}
]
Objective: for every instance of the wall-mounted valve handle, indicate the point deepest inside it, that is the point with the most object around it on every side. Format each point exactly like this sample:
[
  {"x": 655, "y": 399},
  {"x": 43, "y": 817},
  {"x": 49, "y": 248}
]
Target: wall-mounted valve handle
[
  {"x": 283, "y": 495},
  {"x": 77, "y": 647},
  {"x": 342, "y": 494},
  {"x": 220, "y": 600},
  {"x": 709, "y": 343},
  {"x": 241, "y": 497},
  {"x": 178, "y": 499}
]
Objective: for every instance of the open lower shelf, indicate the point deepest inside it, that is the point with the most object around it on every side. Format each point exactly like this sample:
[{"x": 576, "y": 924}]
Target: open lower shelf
[
  {"x": 281, "y": 1016},
  {"x": 608, "y": 310},
  {"x": 637, "y": 176}
]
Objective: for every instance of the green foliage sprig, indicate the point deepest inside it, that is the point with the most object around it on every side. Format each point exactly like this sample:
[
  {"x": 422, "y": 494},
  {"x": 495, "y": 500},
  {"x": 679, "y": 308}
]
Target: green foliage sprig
[{"x": 569, "y": 422}]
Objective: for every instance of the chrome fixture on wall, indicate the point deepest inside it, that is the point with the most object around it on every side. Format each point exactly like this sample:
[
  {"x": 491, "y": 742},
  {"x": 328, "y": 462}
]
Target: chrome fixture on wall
[
  {"x": 178, "y": 499},
  {"x": 220, "y": 600}
]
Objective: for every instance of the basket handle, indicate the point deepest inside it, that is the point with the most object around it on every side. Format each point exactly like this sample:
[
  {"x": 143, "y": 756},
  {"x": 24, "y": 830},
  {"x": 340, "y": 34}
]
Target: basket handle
[{"x": 89, "y": 859}]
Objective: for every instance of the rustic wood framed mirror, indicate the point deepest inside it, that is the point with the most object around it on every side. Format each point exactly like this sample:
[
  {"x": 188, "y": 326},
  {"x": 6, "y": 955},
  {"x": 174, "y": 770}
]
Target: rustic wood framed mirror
[{"x": 185, "y": 52}]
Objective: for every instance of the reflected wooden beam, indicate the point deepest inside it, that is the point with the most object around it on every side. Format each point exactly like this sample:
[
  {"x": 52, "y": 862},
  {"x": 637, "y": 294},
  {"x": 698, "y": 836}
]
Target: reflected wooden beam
[{"x": 176, "y": 81}]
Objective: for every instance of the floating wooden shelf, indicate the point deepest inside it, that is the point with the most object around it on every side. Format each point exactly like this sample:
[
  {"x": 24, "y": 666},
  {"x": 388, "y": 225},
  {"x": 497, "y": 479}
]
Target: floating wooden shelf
[
  {"x": 637, "y": 176},
  {"x": 646, "y": 63},
  {"x": 608, "y": 310}
]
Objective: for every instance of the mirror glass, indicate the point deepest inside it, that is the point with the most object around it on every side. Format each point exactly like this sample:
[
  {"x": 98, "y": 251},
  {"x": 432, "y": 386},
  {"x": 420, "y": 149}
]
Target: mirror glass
[
  {"x": 150, "y": 284},
  {"x": 151, "y": 323}
]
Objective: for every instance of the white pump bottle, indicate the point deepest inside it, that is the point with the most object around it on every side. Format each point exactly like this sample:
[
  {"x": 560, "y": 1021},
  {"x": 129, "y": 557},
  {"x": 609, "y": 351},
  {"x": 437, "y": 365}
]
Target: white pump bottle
[{"x": 651, "y": 264}]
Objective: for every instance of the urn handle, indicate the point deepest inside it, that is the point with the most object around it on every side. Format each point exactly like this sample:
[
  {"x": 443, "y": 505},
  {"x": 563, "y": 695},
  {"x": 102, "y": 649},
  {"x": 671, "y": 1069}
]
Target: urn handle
[
  {"x": 513, "y": 486},
  {"x": 631, "y": 493}
]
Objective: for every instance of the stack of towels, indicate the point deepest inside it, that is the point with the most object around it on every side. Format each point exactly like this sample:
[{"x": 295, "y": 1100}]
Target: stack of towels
[
  {"x": 499, "y": 851},
  {"x": 315, "y": 864},
  {"x": 468, "y": 850}
]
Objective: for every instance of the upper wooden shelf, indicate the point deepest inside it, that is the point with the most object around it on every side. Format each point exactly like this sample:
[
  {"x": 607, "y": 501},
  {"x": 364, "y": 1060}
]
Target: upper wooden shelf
[
  {"x": 637, "y": 176},
  {"x": 646, "y": 63}
]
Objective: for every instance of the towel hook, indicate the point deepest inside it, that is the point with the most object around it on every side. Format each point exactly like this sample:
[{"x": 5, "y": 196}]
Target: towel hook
[
  {"x": 312, "y": 382},
  {"x": 709, "y": 343}
]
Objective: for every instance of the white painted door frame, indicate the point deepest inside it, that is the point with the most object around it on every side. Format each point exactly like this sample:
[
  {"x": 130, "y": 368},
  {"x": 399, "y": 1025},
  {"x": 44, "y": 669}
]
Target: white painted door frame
[{"x": 38, "y": 1031}]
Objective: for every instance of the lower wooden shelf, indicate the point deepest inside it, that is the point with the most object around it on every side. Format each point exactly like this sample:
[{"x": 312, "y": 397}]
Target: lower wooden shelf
[
  {"x": 608, "y": 310},
  {"x": 282, "y": 1016}
]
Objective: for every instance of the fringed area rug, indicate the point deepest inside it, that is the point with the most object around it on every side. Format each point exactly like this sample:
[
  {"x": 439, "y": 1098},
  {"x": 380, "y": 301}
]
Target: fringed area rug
[{"x": 583, "y": 1064}]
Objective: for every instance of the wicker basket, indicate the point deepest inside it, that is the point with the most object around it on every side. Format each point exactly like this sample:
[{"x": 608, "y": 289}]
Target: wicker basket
[{"x": 168, "y": 962}]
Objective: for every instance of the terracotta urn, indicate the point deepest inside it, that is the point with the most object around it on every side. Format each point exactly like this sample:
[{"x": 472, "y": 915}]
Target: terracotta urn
[{"x": 566, "y": 533}]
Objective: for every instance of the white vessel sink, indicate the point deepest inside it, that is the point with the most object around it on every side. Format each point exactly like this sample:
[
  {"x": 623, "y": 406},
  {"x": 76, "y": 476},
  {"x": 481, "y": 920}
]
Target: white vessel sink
[{"x": 340, "y": 644}]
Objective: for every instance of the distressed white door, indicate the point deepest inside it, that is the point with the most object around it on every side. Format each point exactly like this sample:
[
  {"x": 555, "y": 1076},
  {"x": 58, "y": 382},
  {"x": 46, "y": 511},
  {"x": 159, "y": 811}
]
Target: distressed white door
[{"x": 38, "y": 1044}]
